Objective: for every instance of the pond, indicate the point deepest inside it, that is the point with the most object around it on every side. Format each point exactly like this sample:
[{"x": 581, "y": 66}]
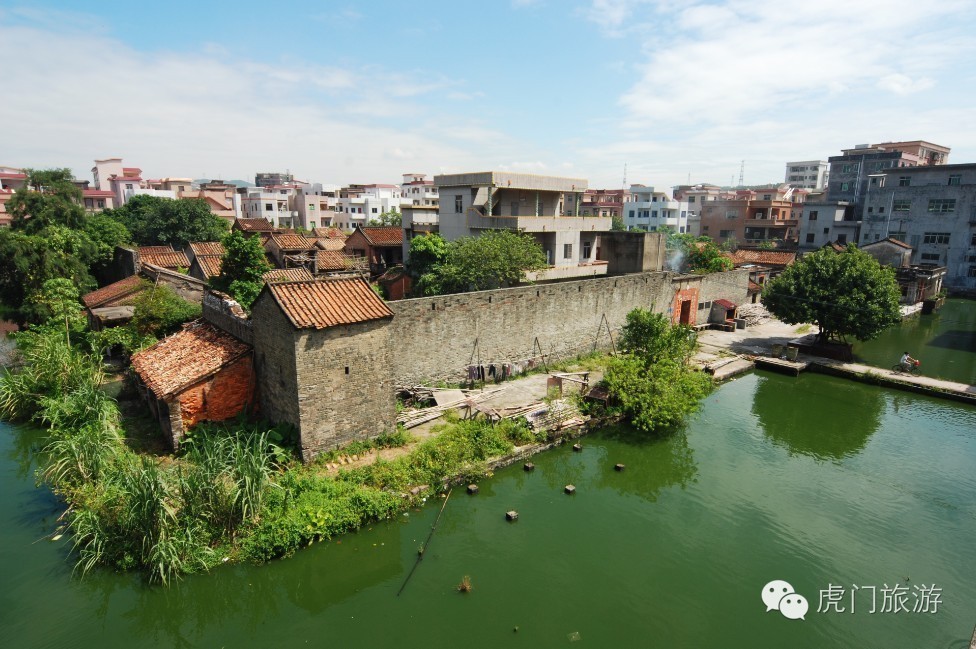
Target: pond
[
  {"x": 945, "y": 342},
  {"x": 813, "y": 480}
]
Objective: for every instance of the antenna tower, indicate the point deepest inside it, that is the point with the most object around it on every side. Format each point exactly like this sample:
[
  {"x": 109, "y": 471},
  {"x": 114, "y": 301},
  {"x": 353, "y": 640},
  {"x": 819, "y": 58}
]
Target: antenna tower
[
  {"x": 742, "y": 173},
  {"x": 624, "y": 186}
]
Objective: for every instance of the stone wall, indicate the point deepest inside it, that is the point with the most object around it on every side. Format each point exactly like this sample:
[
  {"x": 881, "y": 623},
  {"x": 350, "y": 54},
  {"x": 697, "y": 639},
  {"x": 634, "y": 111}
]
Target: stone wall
[
  {"x": 436, "y": 338},
  {"x": 275, "y": 346},
  {"x": 224, "y": 312},
  {"x": 189, "y": 288}
]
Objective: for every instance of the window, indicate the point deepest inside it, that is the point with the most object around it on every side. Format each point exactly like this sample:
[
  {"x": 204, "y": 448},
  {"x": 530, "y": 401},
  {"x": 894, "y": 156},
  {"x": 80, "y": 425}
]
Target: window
[
  {"x": 902, "y": 205},
  {"x": 311, "y": 206},
  {"x": 849, "y": 168},
  {"x": 900, "y": 236},
  {"x": 654, "y": 214},
  {"x": 841, "y": 238},
  {"x": 814, "y": 214},
  {"x": 691, "y": 199},
  {"x": 268, "y": 207},
  {"x": 931, "y": 256},
  {"x": 972, "y": 240},
  {"x": 936, "y": 237},
  {"x": 942, "y": 205},
  {"x": 725, "y": 234},
  {"x": 904, "y": 181},
  {"x": 972, "y": 272},
  {"x": 881, "y": 210},
  {"x": 731, "y": 214},
  {"x": 128, "y": 185},
  {"x": 458, "y": 204},
  {"x": 767, "y": 197},
  {"x": 826, "y": 230},
  {"x": 587, "y": 248},
  {"x": 567, "y": 250},
  {"x": 870, "y": 210},
  {"x": 101, "y": 202},
  {"x": 845, "y": 187},
  {"x": 705, "y": 229},
  {"x": 955, "y": 179},
  {"x": 810, "y": 237}
]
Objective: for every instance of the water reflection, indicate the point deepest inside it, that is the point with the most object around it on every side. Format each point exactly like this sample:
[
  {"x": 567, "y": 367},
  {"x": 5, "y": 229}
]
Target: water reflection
[
  {"x": 652, "y": 464},
  {"x": 828, "y": 420}
]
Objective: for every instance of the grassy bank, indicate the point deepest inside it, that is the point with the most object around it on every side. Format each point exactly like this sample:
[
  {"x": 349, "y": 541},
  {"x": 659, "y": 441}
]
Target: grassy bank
[{"x": 235, "y": 491}]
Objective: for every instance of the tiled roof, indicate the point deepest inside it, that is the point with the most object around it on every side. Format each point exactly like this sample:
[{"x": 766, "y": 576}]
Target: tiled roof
[
  {"x": 186, "y": 358},
  {"x": 726, "y": 303},
  {"x": 330, "y": 244},
  {"x": 112, "y": 292},
  {"x": 328, "y": 303},
  {"x": 764, "y": 257},
  {"x": 329, "y": 233},
  {"x": 254, "y": 225},
  {"x": 287, "y": 275},
  {"x": 329, "y": 260},
  {"x": 391, "y": 236},
  {"x": 210, "y": 264},
  {"x": 754, "y": 288},
  {"x": 208, "y": 248},
  {"x": 97, "y": 193},
  {"x": 292, "y": 241},
  {"x": 149, "y": 250},
  {"x": 171, "y": 259},
  {"x": 900, "y": 244}
]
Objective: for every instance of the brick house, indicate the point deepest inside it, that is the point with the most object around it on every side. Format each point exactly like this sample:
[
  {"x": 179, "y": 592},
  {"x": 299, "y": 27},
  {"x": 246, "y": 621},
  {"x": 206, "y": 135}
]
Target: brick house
[
  {"x": 199, "y": 374},
  {"x": 289, "y": 250},
  {"x": 111, "y": 305},
  {"x": 164, "y": 257},
  {"x": 383, "y": 247},
  {"x": 324, "y": 361}
]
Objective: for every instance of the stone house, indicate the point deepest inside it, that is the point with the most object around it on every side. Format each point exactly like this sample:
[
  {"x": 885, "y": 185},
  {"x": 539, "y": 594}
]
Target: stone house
[
  {"x": 382, "y": 246},
  {"x": 288, "y": 250},
  {"x": 163, "y": 257},
  {"x": 890, "y": 252},
  {"x": 112, "y": 305},
  {"x": 324, "y": 361},
  {"x": 201, "y": 373}
]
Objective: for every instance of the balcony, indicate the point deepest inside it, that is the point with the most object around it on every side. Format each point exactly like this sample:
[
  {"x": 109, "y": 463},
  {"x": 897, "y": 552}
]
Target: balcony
[
  {"x": 477, "y": 221},
  {"x": 774, "y": 222}
]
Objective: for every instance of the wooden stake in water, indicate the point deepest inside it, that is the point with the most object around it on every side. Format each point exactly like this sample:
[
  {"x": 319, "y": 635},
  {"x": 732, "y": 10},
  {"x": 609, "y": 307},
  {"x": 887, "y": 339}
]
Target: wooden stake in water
[{"x": 423, "y": 548}]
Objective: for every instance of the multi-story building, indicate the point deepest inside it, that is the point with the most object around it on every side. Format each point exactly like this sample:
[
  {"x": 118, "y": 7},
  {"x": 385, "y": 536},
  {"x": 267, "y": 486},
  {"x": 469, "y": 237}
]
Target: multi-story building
[
  {"x": 417, "y": 191},
  {"x": 808, "y": 174},
  {"x": 649, "y": 209},
  {"x": 823, "y": 222},
  {"x": 356, "y": 205},
  {"x": 696, "y": 196},
  {"x": 604, "y": 202},
  {"x": 547, "y": 207},
  {"x": 273, "y": 202},
  {"x": 313, "y": 204},
  {"x": 273, "y": 179},
  {"x": 850, "y": 172},
  {"x": 11, "y": 179},
  {"x": 754, "y": 216},
  {"x": 931, "y": 208}
]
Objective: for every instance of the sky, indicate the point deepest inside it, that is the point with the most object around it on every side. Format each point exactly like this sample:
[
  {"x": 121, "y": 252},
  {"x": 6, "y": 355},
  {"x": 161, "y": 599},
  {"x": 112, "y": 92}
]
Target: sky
[{"x": 677, "y": 91}]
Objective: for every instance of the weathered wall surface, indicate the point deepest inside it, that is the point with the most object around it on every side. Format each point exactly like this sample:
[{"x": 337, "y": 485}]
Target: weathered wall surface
[
  {"x": 187, "y": 287},
  {"x": 223, "y": 396},
  {"x": 224, "y": 312},
  {"x": 275, "y": 346},
  {"x": 632, "y": 252},
  {"x": 345, "y": 385},
  {"x": 437, "y": 338}
]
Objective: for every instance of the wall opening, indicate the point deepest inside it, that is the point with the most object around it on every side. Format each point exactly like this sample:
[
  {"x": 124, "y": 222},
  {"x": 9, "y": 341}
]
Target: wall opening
[{"x": 347, "y": 369}]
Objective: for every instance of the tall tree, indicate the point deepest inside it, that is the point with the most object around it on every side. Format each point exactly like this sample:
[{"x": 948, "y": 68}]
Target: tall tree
[
  {"x": 705, "y": 257},
  {"x": 154, "y": 221},
  {"x": 48, "y": 198},
  {"x": 242, "y": 268},
  {"x": 388, "y": 219},
  {"x": 494, "y": 259},
  {"x": 845, "y": 294}
]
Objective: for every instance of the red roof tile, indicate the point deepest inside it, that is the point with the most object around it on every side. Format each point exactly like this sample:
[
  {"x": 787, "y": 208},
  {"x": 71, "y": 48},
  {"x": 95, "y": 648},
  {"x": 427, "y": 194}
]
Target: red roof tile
[
  {"x": 292, "y": 241},
  {"x": 149, "y": 250},
  {"x": 763, "y": 257},
  {"x": 287, "y": 275},
  {"x": 97, "y": 193},
  {"x": 186, "y": 358},
  {"x": 171, "y": 259},
  {"x": 391, "y": 236},
  {"x": 210, "y": 265},
  {"x": 106, "y": 294},
  {"x": 330, "y": 244},
  {"x": 254, "y": 225},
  {"x": 754, "y": 288},
  {"x": 328, "y": 233},
  {"x": 328, "y": 303},
  {"x": 326, "y": 260},
  {"x": 726, "y": 304},
  {"x": 208, "y": 248}
]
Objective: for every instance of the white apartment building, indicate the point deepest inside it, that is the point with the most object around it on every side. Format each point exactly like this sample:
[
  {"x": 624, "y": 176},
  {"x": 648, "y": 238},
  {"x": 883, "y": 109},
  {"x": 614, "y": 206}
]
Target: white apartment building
[
  {"x": 650, "y": 209},
  {"x": 357, "y": 204},
  {"x": 808, "y": 174},
  {"x": 274, "y": 203}
]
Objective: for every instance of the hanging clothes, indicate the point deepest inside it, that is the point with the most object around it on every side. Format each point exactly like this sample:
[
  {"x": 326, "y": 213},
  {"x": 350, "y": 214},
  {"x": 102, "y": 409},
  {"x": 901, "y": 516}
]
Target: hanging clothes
[
  {"x": 491, "y": 371},
  {"x": 472, "y": 372}
]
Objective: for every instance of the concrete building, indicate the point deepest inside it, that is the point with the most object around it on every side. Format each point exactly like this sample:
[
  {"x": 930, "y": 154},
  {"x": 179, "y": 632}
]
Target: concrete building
[
  {"x": 547, "y": 207},
  {"x": 808, "y": 174},
  {"x": 417, "y": 191},
  {"x": 604, "y": 202},
  {"x": 648, "y": 209},
  {"x": 754, "y": 216},
  {"x": 11, "y": 179},
  {"x": 272, "y": 202},
  {"x": 933, "y": 210},
  {"x": 355, "y": 205},
  {"x": 822, "y": 222},
  {"x": 273, "y": 178}
]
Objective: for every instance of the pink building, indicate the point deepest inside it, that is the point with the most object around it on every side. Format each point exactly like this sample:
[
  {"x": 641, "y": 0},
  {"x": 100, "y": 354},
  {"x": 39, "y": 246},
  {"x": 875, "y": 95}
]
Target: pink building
[{"x": 11, "y": 179}]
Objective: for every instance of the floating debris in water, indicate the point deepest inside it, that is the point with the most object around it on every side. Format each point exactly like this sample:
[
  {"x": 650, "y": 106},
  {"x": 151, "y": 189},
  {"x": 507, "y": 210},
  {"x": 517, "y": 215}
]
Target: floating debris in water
[{"x": 511, "y": 515}]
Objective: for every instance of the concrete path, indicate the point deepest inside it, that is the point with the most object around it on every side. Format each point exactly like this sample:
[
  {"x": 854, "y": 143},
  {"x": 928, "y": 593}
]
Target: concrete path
[{"x": 927, "y": 382}]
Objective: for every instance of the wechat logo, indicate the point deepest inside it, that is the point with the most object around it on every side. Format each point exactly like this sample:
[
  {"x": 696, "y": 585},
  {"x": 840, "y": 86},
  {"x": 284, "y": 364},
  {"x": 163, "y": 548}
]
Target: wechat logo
[{"x": 780, "y": 596}]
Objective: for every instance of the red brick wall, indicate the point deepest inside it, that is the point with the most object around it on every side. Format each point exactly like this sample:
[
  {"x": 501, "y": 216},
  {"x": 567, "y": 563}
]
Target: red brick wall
[
  {"x": 222, "y": 396},
  {"x": 688, "y": 294}
]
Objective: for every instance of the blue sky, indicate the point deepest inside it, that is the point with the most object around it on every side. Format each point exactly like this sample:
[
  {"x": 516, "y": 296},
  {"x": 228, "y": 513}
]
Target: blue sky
[{"x": 339, "y": 92}]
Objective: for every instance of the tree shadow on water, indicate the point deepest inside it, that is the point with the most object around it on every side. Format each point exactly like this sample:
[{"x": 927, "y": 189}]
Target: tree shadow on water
[
  {"x": 826, "y": 420},
  {"x": 653, "y": 463}
]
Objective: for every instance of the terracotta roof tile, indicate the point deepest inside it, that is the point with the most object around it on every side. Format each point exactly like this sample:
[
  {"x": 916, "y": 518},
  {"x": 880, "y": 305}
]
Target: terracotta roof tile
[
  {"x": 287, "y": 275},
  {"x": 726, "y": 303},
  {"x": 326, "y": 260},
  {"x": 330, "y": 244},
  {"x": 764, "y": 257},
  {"x": 208, "y": 248},
  {"x": 754, "y": 288},
  {"x": 171, "y": 259},
  {"x": 900, "y": 244},
  {"x": 106, "y": 294},
  {"x": 210, "y": 264},
  {"x": 186, "y": 358},
  {"x": 329, "y": 233},
  {"x": 328, "y": 303},
  {"x": 391, "y": 236},
  {"x": 149, "y": 250},
  {"x": 254, "y": 225},
  {"x": 292, "y": 241}
]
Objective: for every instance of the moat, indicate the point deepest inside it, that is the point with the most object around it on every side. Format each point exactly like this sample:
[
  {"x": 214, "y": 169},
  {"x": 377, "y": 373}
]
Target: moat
[{"x": 814, "y": 480}]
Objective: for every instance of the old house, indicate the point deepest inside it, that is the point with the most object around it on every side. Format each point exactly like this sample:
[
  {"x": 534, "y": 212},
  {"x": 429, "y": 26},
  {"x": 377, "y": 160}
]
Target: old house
[
  {"x": 383, "y": 247},
  {"x": 288, "y": 250},
  {"x": 251, "y": 227},
  {"x": 206, "y": 259},
  {"x": 112, "y": 305},
  {"x": 324, "y": 360},
  {"x": 199, "y": 374},
  {"x": 163, "y": 257},
  {"x": 299, "y": 274},
  {"x": 917, "y": 283},
  {"x": 763, "y": 265},
  {"x": 889, "y": 252}
]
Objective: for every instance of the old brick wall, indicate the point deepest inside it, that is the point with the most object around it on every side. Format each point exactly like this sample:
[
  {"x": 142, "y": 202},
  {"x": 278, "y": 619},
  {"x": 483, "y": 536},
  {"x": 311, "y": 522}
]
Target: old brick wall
[
  {"x": 437, "y": 338},
  {"x": 223, "y": 396},
  {"x": 222, "y": 311},
  {"x": 345, "y": 385},
  {"x": 275, "y": 341}
]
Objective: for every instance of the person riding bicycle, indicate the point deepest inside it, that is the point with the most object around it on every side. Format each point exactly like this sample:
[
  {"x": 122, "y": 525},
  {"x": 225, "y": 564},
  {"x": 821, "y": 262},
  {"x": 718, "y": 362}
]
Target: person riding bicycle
[{"x": 907, "y": 362}]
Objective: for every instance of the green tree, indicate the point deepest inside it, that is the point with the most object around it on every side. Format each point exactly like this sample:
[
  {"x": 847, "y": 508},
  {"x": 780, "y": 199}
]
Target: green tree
[
  {"x": 48, "y": 198},
  {"x": 388, "y": 219},
  {"x": 845, "y": 294},
  {"x": 617, "y": 224},
  {"x": 494, "y": 259},
  {"x": 427, "y": 253},
  {"x": 242, "y": 269},
  {"x": 159, "y": 311},
  {"x": 705, "y": 257},
  {"x": 57, "y": 303},
  {"x": 652, "y": 338},
  {"x": 154, "y": 221},
  {"x": 105, "y": 234}
]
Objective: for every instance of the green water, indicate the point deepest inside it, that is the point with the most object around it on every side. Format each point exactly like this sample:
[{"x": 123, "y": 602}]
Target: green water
[
  {"x": 945, "y": 342},
  {"x": 813, "y": 480}
]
